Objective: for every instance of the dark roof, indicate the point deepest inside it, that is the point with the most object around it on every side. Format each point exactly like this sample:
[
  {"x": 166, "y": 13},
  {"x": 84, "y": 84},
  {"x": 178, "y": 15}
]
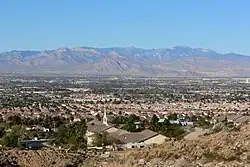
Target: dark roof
[
  {"x": 148, "y": 133},
  {"x": 95, "y": 122},
  {"x": 128, "y": 138},
  {"x": 134, "y": 137},
  {"x": 97, "y": 126},
  {"x": 35, "y": 141},
  {"x": 118, "y": 132}
]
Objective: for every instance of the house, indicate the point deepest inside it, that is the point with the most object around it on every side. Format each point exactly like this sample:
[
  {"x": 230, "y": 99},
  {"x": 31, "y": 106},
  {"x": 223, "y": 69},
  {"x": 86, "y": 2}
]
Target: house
[
  {"x": 154, "y": 138},
  {"x": 241, "y": 120},
  {"x": 182, "y": 122},
  {"x": 232, "y": 117},
  {"x": 138, "y": 139},
  {"x": 34, "y": 144}
]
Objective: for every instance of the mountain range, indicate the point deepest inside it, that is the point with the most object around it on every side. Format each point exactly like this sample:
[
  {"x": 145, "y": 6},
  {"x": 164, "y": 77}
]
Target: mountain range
[{"x": 176, "y": 61}]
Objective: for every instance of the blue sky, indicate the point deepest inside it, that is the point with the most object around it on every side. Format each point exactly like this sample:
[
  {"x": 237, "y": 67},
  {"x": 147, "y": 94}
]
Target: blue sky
[{"x": 222, "y": 25}]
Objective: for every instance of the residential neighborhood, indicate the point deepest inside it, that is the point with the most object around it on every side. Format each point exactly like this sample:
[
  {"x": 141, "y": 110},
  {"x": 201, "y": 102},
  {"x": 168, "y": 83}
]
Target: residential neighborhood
[{"x": 104, "y": 116}]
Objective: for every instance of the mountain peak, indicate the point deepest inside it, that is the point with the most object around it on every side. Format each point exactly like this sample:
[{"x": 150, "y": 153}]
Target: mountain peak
[
  {"x": 177, "y": 61},
  {"x": 205, "y": 50},
  {"x": 63, "y": 49},
  {"x": 181, "y": 47}
]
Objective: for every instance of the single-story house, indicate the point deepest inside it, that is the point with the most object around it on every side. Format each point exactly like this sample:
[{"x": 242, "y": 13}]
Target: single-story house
[
  {"x": 138, "y": 139},
  {"x": 34, "y": 144},
  {"x": 233, "y": 117},
  {"x": 181, "y": 122},
  {"x": 242, "y": 120}
]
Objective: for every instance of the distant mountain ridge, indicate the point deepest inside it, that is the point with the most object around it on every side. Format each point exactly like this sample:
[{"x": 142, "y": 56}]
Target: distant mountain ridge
[{"x": 176, "y": 61}]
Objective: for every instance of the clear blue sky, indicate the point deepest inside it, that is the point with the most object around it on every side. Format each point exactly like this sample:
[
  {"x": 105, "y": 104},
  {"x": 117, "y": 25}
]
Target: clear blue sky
[{"x": 222, "y": 25}]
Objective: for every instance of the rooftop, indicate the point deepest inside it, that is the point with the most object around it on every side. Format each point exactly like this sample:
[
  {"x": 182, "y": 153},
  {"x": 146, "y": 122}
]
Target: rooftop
[
  {"x": 135, "y": 137},
  {"x": 97, "y": 126}
]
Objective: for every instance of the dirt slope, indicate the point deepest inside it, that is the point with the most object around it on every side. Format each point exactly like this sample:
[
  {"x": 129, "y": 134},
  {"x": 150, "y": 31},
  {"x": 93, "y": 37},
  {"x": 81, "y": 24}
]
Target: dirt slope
[{"x": 227, "y": 148}]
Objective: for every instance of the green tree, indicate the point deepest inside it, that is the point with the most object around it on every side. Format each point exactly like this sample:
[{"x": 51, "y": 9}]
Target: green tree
[
  {"x": 166, "y": 123},
  {"x": 172, "y": 117},
  {"x": 203, "y": 122},
  {"x": 131, "y": 127},
  {"x": 72, "y": 135},
  {"x": 15, "y": 120},
  {"x": 130, "y": 124},
  {"x": 2, "y": 131},
  {"x": 175, "y": 131},
  {"x": 154, "y": 123},
  {"x": 101, "y": 139},
  {"x": 133, "y": 118},
  {"x": 119, "y": 120},
  {"x": 12, "y": 138},
  {"x": 62, "y": 135}
]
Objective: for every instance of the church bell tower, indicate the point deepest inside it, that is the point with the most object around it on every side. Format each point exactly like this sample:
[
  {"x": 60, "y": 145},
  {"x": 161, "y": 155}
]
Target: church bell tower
[{"x": 105, "y": 118}]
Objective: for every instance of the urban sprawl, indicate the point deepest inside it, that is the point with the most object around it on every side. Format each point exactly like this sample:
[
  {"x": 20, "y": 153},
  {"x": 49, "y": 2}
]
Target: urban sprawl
[{"x": 112, "y": 113}]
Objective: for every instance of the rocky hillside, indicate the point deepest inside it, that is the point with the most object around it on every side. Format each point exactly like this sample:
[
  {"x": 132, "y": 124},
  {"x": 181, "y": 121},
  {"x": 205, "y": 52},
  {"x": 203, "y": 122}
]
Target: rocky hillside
[
  {"x": 228, "y": 148},
  {"x": 176, "y": 61},
  {"x": 39, "y": 158},
  {"x": 223, "y": 149}
]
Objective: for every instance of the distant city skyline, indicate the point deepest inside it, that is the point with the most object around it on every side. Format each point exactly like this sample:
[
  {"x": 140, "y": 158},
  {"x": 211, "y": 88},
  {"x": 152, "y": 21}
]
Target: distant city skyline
[{"x": 43, "y": 25}]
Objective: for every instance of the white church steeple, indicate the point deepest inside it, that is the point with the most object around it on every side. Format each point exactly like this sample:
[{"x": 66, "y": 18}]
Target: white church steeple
[{"x": 105, "y": 118}]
